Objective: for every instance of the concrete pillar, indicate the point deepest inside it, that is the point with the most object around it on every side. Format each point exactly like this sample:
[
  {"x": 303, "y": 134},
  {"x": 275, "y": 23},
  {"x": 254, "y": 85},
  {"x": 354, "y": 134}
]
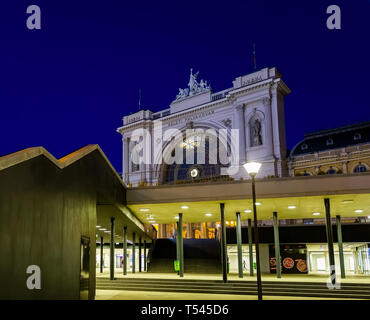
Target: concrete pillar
[
  {"x": 340, "y": 247},
  {"x": 223, "y": 243},
  {"x": 124, "y": 250},
  {"x": 145, "y": 266},
  {"x": 133, "y": 251},
  {"x": 111, "y": 266},
  {"x": 181, "y": 246},
  {"x": 139, "y": 254},
  {"x": 277, "y": 245},
  {"x": 329, "y": 236},
  {"x": 239, "y": 244},
  {"x": 101, "y": 254},
  {"x": 250, "y": 244}
]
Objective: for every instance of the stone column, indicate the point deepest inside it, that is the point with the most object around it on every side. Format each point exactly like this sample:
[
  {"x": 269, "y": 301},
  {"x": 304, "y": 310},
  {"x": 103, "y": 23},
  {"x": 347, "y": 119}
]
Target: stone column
[
  {"x": 269, "y": 137},
  {"x": 239, "y": 118},
  {"x": 126, "y": 160},
  {"x": 145, "y": 266},
  {"x": 188, "y": 230}
]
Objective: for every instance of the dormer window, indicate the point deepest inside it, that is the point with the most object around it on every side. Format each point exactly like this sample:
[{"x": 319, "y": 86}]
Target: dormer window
[
  {"x": 329, "y": 142},
  {"x": 357, "y": 136},
  {"x": 304, "y": 146}
]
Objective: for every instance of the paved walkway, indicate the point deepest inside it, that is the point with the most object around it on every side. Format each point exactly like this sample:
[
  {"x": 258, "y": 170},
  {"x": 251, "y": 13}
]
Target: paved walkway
[
  {"x": 149, "y": 295},
  {"x": 267, "y": 277}
]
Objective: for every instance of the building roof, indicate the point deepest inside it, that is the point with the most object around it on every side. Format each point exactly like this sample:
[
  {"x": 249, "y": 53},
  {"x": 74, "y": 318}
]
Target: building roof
[{"x": 333, "y": 139}]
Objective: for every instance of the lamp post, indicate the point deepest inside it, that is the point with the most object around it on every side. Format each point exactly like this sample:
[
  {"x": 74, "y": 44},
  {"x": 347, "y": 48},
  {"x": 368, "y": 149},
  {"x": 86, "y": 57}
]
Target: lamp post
[{"x": 252, "y": 169}]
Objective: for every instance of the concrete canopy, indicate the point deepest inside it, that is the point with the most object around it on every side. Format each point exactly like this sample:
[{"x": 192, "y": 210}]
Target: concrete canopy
[{"x": 348, "y": 193}]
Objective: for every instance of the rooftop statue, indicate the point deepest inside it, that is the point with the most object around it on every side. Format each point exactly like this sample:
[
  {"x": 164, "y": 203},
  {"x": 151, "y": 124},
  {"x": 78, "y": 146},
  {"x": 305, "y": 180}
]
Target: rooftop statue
[{"x": 195, "y": 87}]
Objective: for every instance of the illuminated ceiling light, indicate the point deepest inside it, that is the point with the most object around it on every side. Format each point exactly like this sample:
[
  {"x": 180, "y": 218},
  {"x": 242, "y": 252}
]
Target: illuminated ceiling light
[
  {"x": 316, "y": 213},
  {"x": 258, "y": 203},
  {"x": 144, "y": 210},
  {"x": 102, "y": 229},
  {"x": 98, "y": 226},
  {"x": 227, "y": 222},
  {"x": 347, "y": 201},
  {"x": 107, "y": 231},
  {"x": 151, "y": 221},
  {"x": 208, "y": 214},
  {"x": 117, "y": 243},
  {"x": 247, "y": 211},
  {"x": 359, "y": 211},
  {"x": 177, "y": 217},
  {"x": 368, "y": 217},
  {"x": 292, "y": 207},
  {"x": 184, "y": 207}
]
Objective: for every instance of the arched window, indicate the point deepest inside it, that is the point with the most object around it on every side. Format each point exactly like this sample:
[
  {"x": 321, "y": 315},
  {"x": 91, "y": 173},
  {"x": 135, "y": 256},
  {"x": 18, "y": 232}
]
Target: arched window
[
  {"x": 357, "y": 136},
  {"x": 360, "y": 168},
  {"x": 329, "y": 142},
  {"x": 331, "y": 171},
  {"x": 304, "y": 146}
]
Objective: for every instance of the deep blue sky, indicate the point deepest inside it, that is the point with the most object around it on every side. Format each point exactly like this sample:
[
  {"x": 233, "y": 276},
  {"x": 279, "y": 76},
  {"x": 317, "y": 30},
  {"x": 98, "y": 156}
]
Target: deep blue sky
[{"x": 70, "y": 83}]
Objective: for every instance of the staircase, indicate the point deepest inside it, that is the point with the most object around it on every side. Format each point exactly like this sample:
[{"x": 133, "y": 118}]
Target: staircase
[
  {"x": 270, "y": 288},
  {"x": 200, "y": 256}
]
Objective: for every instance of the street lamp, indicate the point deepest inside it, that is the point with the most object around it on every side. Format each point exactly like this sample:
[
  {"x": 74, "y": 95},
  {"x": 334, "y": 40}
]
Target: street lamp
[{"x": 252, "y": 169}]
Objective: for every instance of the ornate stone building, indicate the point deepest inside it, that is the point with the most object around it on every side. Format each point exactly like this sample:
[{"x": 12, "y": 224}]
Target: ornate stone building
[
  {"x": 341, "y": 150},
  {"x": 248, "y": 119}
]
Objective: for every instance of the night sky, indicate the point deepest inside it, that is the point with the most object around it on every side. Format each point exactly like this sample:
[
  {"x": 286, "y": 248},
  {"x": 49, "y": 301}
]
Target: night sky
[{"x": 70, "y": 83}]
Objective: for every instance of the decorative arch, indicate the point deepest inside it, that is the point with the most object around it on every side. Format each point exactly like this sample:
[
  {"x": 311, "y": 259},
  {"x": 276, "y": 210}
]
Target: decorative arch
[{"x": 167, "y": 173}]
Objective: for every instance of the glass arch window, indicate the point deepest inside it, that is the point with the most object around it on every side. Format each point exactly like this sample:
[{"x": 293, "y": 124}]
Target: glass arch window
[
  {"x": 360, "y": 168},
  {"x": 304, "y": 146},
  {"x": 329, "y": 142}
]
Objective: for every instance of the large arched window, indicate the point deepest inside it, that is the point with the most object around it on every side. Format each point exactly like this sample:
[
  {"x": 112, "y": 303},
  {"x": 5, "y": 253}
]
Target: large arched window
[
  {"x": 360, "y": 168},
  {"x": 204, "y": 166}
]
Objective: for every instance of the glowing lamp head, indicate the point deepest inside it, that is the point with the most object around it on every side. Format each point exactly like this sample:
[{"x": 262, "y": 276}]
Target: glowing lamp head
[{"x": 252, "y": 168}]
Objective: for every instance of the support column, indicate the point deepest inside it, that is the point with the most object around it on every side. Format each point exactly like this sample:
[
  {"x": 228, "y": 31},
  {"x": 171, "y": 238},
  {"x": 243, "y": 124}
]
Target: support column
[
  {"x": 239, "y": 244},
  {"x": 124, "y": 250},
  {"x": 329, "y": 236},
  {"x": 111, "y": 266},
  {"x": 144, "y": 255},
  {"x": 139, "y": 254},
  {"x": 181, "y": 246},
  {"x": 223, "y": 243},
  {"x": 203, "y": 230},
  {"x": 101, "y": 254},
  {"x": 277, "y": 246},
  {"x": 133, "y": 251},
  {"x": 240, "y": 125},
  {"x": 340, "y": 246},
  {"x": 250, "y": 244}
]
